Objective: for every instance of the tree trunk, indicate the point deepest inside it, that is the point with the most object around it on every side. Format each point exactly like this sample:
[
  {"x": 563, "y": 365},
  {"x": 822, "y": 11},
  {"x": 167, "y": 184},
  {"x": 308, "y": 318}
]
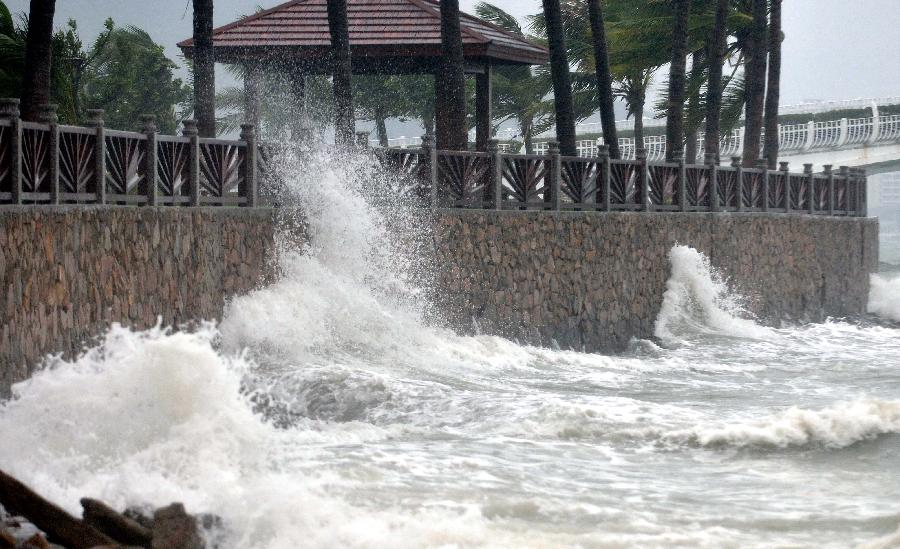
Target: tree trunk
[
  {"x": 692, "y": 125},
  {"x": 450, "y": 84},
  {"x": 770, "y": 148},
  {"x": 638, "y": 110},
  {"x": 381, "y": 128},
  {"x": 677, "y": 78},
  {"x": 341, "y": 71},
  {"x": 755, "y": 83},
  {"x": 715, "y": 53},
  {"x": 562, "y": 80},
  {"x": 204, "y": 69},
  {"x": 527, "y": 126},
  {"x": 38, "y": 58},
  {"x": 604, "y": 78}
]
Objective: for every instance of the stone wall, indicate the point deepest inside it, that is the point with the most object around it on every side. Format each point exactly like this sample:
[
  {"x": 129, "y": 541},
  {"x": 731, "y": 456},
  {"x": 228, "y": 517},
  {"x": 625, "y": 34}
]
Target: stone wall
[
  {"x": 583, "y": 280},
  {"x": 68, "y": 272},
  {"x": 593, "y": 281}
]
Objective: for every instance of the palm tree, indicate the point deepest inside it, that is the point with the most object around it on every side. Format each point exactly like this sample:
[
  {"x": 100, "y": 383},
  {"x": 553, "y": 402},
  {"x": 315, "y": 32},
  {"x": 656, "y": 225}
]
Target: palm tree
[
  {"x": 677, "y": 77},
  {"x": 694, "y": 110},
  {"x": 755, "y": 82},
  {"x": 38, "y": 58},
  {"x": 770, "y": 148},
  {"x": 715, "y": 53},
  {"x": 450, "y": 86},
  {"x": 518, "y": 93},
  {"x": 604, "y": 78},
  {"x": 632, "y": 88},
  {"x": 341, "y": 71},
  {"x": 562, "y": 80},
  {"x": 204, "y": 69}
]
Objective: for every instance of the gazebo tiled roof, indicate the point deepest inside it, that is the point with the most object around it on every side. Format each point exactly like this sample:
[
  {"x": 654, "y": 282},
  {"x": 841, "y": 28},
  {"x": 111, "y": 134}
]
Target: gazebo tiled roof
[{"x": 382, "y": 32}]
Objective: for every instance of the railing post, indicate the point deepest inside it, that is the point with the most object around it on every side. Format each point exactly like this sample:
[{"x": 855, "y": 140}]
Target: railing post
[
  {"x": 190, "y": 131},
  {"x": 495, "y": 194},
  {"x": 603, "y": 176},
  {"x": 844, "y": 133},
  {"x": 48, "y": 116},
  {"x": 713, "y": 168},
  {"x": 150, "y": 187},
  {"x": 810, "y": 187},
  {"x": 9, "y": 110},
  {"x": 785, "y": 170},
  {"x": 643, "y": 179},
  {"x": 681, "y": 180},
  {"x": 429, "y": 151},
  {"x": 738, "y": 181},
  {"x": 876, "y": 125},
  {"x": 250, "y": 188},
  {"x": 862, "y": 206},
  {"x": 829, "y": 173},
  {"x": 763, "y": 165},
  {"x": 95, "y": 120},
  {"x": 555, "y": 175},
  {"x": 845, "y": 175},
  {"x": 810, "y": 135}
]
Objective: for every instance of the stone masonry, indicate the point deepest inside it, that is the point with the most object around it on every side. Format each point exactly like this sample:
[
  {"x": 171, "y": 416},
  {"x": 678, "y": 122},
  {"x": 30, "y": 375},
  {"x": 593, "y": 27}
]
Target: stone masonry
[
  {"x": 582, "y": 280},
  {"x": 593, "y": 281},
  {"x": 67, "y": 272}
]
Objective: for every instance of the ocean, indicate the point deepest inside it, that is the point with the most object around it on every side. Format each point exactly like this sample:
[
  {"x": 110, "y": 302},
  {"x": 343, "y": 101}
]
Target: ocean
[{"x": 331, "y": 409}]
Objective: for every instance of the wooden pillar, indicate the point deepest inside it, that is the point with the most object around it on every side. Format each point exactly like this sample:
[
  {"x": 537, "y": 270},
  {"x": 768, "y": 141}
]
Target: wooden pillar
[
  {"x": 483, "y": 112},
  {"x": 252, "y": 83},
  {"x": 298, "y": 91}
]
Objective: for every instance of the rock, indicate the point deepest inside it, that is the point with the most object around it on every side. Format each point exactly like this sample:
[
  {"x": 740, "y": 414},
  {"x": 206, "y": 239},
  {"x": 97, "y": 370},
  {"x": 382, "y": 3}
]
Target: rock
[
  {"x": 7, "y": 541},
  {"x": 140, "y": 516},
  {"x": 115, "y": 525},
  {"x": 173, "y": 528},
  {"x": 36, "y": 541}
]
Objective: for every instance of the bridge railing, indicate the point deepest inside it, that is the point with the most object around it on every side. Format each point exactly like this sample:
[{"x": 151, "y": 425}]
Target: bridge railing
[
  {"x": 499, "y": 181},
  {"x": 51, "y": 163}
]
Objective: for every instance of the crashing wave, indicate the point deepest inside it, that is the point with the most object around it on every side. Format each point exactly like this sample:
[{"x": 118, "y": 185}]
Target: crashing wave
[
  {"x": 884, "y": 297},
  {"x": 838, "y": 426}
]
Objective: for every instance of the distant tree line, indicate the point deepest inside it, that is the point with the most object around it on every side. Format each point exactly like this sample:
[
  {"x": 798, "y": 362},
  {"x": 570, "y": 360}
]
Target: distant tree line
[{"x": 123, "y": 72}]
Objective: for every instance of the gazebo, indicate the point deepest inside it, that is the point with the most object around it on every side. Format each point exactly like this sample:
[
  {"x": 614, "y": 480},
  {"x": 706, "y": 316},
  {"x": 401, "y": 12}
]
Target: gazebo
[{"x": 386, "y": 37}]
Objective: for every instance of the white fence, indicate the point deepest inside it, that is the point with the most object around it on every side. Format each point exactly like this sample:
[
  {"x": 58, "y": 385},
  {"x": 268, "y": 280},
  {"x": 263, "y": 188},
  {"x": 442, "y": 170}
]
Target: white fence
[{"x": 793, "y": 138}]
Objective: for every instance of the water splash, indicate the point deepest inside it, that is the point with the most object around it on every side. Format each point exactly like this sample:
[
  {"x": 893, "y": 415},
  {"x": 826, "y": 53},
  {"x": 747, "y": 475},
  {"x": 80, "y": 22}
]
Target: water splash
[
  {"x": 884, "y": 297},
  {"x": 698, "y": 301}
]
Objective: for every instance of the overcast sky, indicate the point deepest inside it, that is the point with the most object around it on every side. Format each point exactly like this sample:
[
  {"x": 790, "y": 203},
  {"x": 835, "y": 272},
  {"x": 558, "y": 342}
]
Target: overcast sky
[{"x": 834, "y": 49}]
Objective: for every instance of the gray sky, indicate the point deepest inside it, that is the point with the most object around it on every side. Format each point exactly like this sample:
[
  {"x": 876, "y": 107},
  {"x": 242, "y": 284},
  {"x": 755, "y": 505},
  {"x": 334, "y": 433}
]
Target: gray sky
[{"x": 834, "y": 49}]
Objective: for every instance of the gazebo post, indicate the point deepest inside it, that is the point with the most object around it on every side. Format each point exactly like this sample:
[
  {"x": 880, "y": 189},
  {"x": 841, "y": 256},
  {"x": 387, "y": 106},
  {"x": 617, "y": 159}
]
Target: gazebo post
[
  {"x": 252, "y": 78},
  {"x": 483, "y": 115},
  {"x": 298, "y": 91}
]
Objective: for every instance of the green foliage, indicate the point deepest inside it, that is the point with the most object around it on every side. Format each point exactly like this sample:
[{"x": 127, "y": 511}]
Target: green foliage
[
  {"x": 128, "y": 75},
  {"x": 124, "y": 72}
]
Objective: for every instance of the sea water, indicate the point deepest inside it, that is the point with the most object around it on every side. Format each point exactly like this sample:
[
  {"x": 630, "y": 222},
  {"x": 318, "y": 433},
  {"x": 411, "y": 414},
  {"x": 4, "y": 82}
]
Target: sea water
[{"x": 331, "y": 409}]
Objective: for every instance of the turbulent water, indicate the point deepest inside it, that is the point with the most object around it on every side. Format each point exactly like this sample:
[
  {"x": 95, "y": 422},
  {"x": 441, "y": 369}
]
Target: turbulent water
[{"x": 327, "y": 410}]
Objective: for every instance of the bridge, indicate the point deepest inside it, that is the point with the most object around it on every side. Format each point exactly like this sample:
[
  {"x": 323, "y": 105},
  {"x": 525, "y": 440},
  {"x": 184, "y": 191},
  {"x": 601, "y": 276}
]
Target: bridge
[{"x": 871, "y": 142}]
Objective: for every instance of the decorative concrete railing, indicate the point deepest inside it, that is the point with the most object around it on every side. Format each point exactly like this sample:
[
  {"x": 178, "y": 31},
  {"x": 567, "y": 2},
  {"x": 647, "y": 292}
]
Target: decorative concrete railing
[
  {"x": 793, "y": 138},
  {"x": 49, "y": 163},
  {"x": 494, "y": 180}
]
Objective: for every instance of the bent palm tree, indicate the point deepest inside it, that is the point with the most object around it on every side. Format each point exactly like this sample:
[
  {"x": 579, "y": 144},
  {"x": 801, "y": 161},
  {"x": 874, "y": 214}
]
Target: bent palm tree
[
  {"x": 341, "y": 72},
  {"x": 604, "y": 78},
  {"x": 38, "y": 58},
  {"x": 715, "y": 53},
  {"x": 755, "y": 82},
  {"x": 770, "y": 148},
  {"x": 450, "y": 86},
  {"x": 204, "y": 69},
  {"x": 562, "y": 80},
  {"x": 677, "y": 78}
]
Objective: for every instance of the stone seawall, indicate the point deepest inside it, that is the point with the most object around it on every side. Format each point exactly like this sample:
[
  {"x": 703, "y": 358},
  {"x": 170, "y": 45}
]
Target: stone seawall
[
  {"x": 68, "y": 272},
  {"x": 593, "y": 281},
  {"x": 582, "y": 280}
]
